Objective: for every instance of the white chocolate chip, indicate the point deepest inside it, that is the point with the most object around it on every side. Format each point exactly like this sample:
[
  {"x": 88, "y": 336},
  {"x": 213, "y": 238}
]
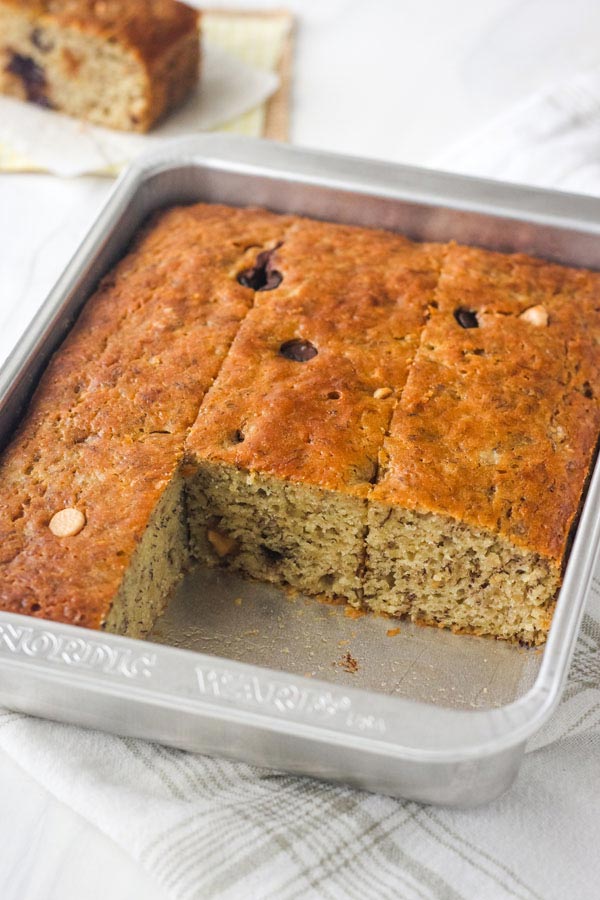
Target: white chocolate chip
[
  {"x": 67, "y": 522},
  {"x": 138, "y": 107},
  {"x": 489, "y": 457},
  {"x": 382, "y": 393},
  {"x": 222, "y": 544},
  {"x": 557, "y": 433},
  {"x": 535, "y": 315}
]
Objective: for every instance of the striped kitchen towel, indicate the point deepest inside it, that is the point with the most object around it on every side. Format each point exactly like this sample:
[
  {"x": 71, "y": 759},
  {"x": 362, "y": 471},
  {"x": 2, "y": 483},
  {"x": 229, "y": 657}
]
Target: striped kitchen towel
[{"x": 207, "y": 828}]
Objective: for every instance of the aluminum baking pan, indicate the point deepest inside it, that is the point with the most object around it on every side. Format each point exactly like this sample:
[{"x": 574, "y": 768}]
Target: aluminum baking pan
[{"x": 240, "y": 669}]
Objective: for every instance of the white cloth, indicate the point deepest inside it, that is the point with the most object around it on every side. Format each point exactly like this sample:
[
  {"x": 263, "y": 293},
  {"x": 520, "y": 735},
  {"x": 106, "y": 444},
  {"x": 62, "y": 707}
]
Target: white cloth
[
  {"x": 213, "y": 829},
  {"x": 551, "y": 139}
]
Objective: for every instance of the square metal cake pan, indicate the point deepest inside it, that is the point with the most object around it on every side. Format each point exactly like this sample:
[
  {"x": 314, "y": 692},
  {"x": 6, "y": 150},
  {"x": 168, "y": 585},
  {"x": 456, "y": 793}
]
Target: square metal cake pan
[{"x": 246, "y": 671}]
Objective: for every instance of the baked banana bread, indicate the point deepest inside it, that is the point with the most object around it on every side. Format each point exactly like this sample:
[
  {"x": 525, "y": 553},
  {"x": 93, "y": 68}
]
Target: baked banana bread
[
  {"x": 489, "y": 448},
  {"x": 405, "y": 426},
  {"x": 118, "y": 63}
]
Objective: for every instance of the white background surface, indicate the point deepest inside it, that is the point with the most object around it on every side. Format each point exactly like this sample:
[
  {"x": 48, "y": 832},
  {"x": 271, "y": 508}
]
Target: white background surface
[{"x": 389, "y": 78}]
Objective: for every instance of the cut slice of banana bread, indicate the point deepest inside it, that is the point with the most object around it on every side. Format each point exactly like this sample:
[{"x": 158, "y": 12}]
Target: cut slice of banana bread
[
  {"x": 489, "y": 448},
  {"x": 118, "y": 63}
]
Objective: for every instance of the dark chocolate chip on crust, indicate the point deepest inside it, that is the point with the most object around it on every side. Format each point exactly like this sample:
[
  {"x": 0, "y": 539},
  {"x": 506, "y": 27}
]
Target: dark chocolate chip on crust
[
  {"x": 298, "y": 350},
  {"x": 262, "y": 276},
  {"x": 466, "y": 318}
]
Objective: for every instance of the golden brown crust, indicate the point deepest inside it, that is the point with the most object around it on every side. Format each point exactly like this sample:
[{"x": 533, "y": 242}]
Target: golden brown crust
[
  {"x": 359, "y": 298},
  {"x": 498, "y": 423},
  {"x": 173, "y": 76}
]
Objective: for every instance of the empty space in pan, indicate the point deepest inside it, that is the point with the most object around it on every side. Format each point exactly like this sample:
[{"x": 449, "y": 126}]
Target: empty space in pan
[{"x": 220, "y": 614}]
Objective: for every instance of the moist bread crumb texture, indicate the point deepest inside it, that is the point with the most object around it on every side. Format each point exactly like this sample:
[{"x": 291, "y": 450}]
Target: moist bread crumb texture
[
  {"x": 408, "y": 427},
  {"x": 118, "y": 63}
]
